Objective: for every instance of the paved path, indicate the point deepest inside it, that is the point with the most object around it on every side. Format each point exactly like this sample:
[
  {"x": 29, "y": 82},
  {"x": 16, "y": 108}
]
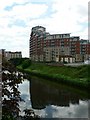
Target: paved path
[{"x": 74, "y": 64}]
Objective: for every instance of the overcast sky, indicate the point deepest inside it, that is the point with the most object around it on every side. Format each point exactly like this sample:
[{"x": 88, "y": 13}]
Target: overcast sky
[{"x": 17, "y": 17}]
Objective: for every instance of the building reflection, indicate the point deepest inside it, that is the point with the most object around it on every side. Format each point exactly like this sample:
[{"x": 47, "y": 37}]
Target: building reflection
[{"x": 43, "y": 95}]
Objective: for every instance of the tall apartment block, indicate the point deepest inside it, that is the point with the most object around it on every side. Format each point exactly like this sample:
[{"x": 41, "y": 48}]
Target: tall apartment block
[{"x": 57, "y": 47}]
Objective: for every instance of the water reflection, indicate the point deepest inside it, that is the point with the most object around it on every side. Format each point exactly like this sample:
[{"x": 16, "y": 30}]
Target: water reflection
[
  {"x": 50, "y": 101},
  {"x": 25, "y": 95},
  {"x": 43, "y": 95}
]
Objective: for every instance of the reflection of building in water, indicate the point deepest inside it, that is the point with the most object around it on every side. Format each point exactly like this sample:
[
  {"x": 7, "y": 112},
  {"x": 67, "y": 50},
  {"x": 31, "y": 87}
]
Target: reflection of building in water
[{"x": 43, "y": 95}]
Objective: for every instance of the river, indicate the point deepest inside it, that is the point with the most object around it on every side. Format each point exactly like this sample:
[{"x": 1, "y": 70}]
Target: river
[{"x": 50, "y": 100}]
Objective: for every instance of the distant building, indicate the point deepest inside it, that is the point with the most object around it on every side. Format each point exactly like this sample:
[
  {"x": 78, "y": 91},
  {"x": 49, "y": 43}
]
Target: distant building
[
  {"x": 9, "y": 55},
  {"x": 2, "y": 54},
  {"x": 57, "y": 47}
]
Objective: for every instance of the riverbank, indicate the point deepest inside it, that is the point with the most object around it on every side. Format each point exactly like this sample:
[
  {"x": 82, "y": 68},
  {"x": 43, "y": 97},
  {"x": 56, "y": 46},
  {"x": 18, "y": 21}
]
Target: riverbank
[{"x": 73, "y": 76}]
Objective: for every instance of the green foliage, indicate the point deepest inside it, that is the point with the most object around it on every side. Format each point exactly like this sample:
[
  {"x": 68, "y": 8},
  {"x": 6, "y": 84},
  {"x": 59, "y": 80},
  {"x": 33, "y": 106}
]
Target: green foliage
[
  {"x": 23, "y": 62},
  {"x": 10, "y": 80},
  {"x": 18, "y": 61},
  {"x": 65, "y": 62},
  {"x": 76, "y": 76},
  {"x": 8, "y": 117},
  {"x": 26, "y": 63},
  {"x": 10, "y": 92},
  {"x": 69, "y": 71}
]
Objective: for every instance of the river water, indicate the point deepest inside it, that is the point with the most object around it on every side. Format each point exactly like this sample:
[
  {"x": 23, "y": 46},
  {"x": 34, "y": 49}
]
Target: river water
[{"x": 50, "y": 100}]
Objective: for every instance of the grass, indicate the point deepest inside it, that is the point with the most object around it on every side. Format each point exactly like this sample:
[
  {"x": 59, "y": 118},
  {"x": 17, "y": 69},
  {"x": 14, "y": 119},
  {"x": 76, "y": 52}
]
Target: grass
[
  {"x": 76, "y": 76},
  {"x": 73, "y": 72}
]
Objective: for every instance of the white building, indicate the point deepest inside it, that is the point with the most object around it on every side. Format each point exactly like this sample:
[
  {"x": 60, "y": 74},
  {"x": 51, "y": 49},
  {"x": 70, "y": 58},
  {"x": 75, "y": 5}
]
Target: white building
[{"x": 9, "y": 55}]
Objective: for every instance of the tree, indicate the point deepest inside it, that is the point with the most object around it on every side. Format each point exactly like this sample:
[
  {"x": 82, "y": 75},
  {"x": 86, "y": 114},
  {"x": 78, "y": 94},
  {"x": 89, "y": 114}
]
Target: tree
[
  {"x": 26, "y": 64},
  {"x": 11, "y": 94}
]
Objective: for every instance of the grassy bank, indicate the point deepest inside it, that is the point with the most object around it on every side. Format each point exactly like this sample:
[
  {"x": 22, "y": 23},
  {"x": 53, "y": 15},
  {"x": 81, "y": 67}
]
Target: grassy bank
[{"x": 73, "y": 76}]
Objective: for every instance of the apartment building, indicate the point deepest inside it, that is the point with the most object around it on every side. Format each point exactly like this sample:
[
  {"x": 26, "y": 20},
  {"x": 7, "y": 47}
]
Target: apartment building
[
  {"x": 57, "y": 47},
  {"x": 2, "y": 54},
  {"x": 85, "y": 49},
  {"x": 9, "y": 55}
]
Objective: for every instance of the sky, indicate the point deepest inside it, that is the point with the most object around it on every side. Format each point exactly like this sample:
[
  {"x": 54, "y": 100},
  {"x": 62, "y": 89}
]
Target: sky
[{"x": 17, "y": 17}]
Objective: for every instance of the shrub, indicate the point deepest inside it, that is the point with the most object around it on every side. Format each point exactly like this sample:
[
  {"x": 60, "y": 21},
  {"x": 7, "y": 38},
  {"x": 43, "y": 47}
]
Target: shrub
[
  {"x": 65, "y": 62},
  {"x": 26, "y": 63}
]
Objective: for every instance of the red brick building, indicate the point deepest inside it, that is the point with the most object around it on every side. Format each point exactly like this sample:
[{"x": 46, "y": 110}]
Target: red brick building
[{"x": 57, "y": 47}]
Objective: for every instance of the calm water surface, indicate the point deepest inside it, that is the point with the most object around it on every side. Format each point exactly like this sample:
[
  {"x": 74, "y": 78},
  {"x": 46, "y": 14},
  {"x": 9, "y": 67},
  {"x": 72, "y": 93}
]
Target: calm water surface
[{"x": 52, "y": 101}]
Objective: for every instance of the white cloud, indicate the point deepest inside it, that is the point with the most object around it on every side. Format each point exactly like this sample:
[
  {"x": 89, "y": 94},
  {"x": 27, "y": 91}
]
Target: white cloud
[
  {"x": 28, "y": 11},
  {"x": 17, "y": 35},
  {"x": 5, "y": 3},
  {"x": 72, "y": 111},
  {"x": 65, "y": 16},
  {"x": 22, "y": 12},
  {"x": 68, "y": 15}
]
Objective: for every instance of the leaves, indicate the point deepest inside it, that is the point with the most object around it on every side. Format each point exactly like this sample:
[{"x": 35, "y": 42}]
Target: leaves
[{"x": 10, "y": 94}]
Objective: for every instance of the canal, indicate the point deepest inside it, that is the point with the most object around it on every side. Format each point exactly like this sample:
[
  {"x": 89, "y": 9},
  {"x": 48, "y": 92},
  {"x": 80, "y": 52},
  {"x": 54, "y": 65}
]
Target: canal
[{"x": 50, "y": 100}]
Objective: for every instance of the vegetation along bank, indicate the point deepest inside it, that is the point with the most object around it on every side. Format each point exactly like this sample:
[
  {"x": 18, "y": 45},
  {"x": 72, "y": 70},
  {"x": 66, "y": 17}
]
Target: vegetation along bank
[{"x": 73, "y": 76}]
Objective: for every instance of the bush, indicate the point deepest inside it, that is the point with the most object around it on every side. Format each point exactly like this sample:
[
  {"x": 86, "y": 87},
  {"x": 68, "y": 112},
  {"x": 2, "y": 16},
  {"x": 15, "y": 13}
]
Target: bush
[
  {"x": 16, "y": 61},
  {"x": 65, "y": 62},
  {"x": 26, "y": 63}
]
